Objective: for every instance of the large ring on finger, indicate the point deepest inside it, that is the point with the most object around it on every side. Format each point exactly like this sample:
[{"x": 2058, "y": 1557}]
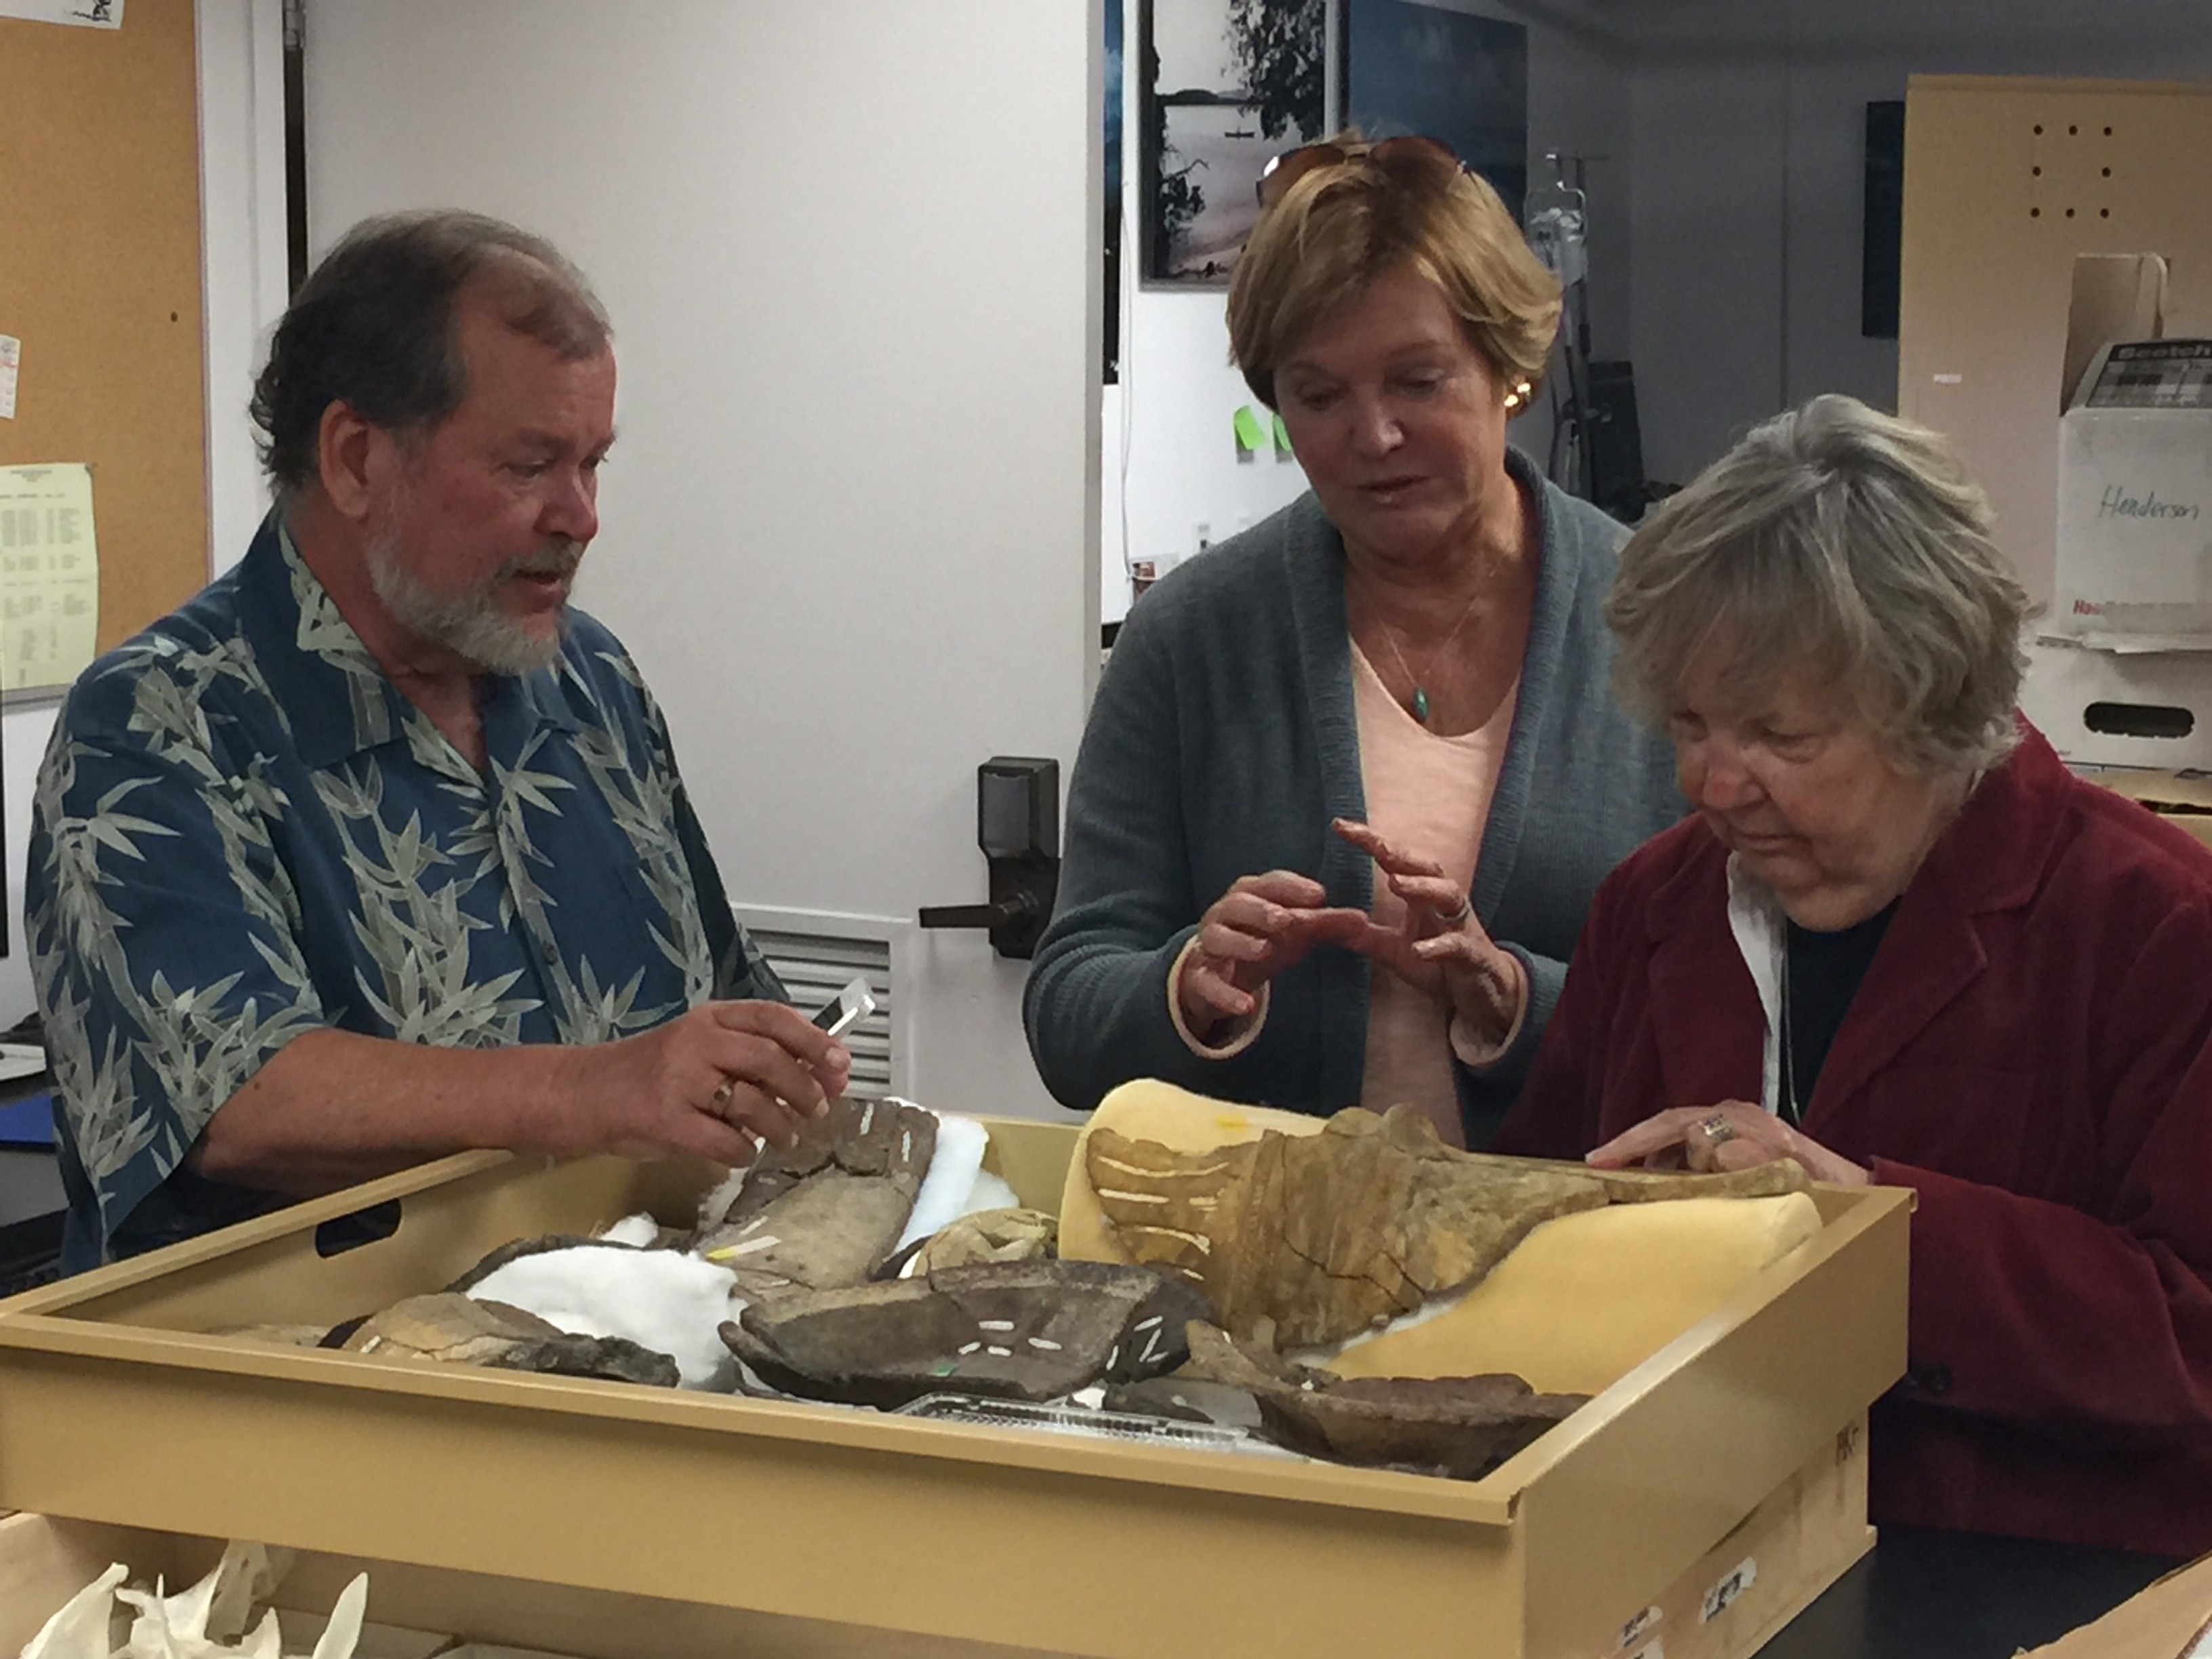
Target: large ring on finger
[
  {"x": 1716, "y": 1129},
  {"x": 721, "y": 1096}
]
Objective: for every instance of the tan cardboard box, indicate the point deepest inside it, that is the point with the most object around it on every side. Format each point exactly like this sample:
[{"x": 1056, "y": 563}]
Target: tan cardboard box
[
  {"x": 2185, "y": 802},
  {"x": 2172, "y": 1620}
]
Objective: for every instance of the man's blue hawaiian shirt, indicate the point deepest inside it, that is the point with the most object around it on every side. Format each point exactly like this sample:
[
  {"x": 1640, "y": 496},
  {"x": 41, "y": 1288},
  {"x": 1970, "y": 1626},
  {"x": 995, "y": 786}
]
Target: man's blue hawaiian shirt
[{"x": 244, "y": 831}]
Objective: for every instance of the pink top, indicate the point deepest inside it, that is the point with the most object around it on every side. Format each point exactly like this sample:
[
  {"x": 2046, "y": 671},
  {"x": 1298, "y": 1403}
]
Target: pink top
[{"x": 1429, "y": 795}]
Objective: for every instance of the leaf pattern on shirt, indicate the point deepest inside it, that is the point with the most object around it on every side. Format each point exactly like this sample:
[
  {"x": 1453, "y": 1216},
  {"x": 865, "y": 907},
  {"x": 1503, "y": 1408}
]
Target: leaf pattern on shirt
[
  {"x": 187, "y": 856},
  {"x": 643, "y": 801}
]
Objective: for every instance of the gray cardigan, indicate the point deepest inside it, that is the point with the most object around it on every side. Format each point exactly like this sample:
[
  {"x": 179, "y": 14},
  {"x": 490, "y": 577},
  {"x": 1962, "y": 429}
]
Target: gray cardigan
[{"x": 1223, "y": 740}]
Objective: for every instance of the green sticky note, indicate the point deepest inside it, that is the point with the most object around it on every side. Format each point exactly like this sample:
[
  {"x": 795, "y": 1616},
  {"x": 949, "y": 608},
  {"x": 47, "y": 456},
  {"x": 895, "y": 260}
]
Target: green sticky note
[
  {"x": 1250, "y": 434},
  {"x": 1282, "y": 436}
]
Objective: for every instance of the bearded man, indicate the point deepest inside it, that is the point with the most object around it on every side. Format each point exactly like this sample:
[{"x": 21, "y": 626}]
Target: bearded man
[{"x": 376, "y": 850}]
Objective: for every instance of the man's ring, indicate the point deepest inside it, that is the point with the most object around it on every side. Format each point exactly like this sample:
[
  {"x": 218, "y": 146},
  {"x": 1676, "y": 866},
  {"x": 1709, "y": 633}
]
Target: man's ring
[
  {"x": 1458, "y": 917},
  {"x": 1716, "y": 1129},
  {"x": 722, "y": 1095}
]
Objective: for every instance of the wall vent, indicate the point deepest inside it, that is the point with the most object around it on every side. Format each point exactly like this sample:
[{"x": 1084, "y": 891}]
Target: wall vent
[{"x": 815, "y": 953}]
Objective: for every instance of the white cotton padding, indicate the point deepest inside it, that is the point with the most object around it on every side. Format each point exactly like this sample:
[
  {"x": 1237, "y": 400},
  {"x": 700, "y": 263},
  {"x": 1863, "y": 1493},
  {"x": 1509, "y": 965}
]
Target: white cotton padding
[
  {"x": 665, "y": 1300},
  {"x": 953, "y": 1166},
  {"x": 639, "y": 1230},
  {"x": 80, "y": 1629},
  {"x": 989, "y": 1192}
]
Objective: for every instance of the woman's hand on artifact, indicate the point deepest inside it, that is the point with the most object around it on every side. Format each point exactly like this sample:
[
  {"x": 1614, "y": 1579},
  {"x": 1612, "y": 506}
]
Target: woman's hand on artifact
[
  {"x": 1443, "y": 948},
  {"x": 717, "y": 1081},
  {"x": 1735, "y": 1134},
  {"x": 1262, "y": 926}
]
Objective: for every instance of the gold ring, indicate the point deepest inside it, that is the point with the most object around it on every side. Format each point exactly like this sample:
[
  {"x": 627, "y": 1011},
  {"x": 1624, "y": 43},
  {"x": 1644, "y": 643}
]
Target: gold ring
[{"x": 1716, "y": 1129}]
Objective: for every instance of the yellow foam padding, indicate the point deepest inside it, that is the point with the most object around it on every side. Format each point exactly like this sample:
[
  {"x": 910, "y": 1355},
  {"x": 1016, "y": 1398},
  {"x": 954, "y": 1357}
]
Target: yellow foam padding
[
  {"x": 1586, "y": 1298},
  {"x": 1175, "y": 1118}
]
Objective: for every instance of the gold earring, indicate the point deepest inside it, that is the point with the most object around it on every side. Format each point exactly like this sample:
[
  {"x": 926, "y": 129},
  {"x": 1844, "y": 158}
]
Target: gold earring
[{"x": 1521, "y": 393}]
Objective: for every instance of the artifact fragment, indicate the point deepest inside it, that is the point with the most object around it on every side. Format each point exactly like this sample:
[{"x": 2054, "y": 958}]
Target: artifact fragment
[
  {"x": 1148, "y": 1109},
  {"x": 1021, "y": 1330},
  {"x": 457, "y": 1329},
  {"x": 286, "y": 1336},
  {"x": 1331, "y": 1234},
  {"x": 1184, "y": 1397},
  {"x": 1459, "y": 1426},
  {"x": 991, "y": 1236},
  {"x": 826, "y": 1212},
  {"x": 665, "y": 1301},
  {"x": 515, "y": 1250}
]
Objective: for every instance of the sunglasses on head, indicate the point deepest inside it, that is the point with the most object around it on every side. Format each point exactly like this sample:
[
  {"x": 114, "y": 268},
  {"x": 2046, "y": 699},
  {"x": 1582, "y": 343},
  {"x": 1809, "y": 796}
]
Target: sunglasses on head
[{"x": 1409, "y": 154}]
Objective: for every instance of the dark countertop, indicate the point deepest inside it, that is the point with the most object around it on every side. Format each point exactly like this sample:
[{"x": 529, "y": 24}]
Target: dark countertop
[{"x": 1924, "y": 1595}]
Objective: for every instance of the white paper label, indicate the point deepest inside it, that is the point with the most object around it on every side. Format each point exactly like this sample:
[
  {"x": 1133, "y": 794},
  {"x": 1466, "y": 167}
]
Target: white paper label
[
  {"x": 84, "y": 14},
  {"x": 1640, "y": 1626},
  {"x": 1721, "y": 1595},
  {"x": 11, "y": 354}
]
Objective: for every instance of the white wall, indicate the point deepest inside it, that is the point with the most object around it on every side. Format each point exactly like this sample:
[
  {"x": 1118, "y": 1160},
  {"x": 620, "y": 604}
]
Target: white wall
[
  {"x": 1179, "y": 393},
  {"x": 850, "y": 248},
  {"x": 1748, "y": 141}
]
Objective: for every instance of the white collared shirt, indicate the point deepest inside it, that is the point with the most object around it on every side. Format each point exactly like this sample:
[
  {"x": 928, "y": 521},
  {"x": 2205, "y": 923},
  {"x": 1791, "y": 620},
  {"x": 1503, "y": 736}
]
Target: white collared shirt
[{"x": 1762, "y": 934}]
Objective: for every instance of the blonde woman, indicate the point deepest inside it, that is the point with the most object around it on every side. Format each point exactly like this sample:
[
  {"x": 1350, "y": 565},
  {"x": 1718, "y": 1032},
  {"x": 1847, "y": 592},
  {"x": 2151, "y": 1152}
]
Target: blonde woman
[{"x": 1352, "y": 777}]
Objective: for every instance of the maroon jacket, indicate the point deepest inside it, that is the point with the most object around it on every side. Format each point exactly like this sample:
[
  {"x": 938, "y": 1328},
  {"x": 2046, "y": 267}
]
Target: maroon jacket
[{"x": 2028, "y": 1051}]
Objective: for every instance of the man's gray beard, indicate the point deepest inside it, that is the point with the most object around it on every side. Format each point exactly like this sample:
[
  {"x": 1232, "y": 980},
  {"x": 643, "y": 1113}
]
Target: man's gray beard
[{"x": 471, "y": 624}]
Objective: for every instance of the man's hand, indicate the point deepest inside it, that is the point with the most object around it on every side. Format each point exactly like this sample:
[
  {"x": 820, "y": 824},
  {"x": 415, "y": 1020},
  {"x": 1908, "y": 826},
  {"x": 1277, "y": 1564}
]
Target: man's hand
[
  {"x": 332, "y": 1108},
  {"x": 716, "y": 1082}
]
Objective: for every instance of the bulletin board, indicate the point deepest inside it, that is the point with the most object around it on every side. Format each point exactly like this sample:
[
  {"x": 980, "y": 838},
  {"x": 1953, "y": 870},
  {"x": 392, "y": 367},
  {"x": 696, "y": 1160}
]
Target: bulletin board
[
  {"x": 2006, "y": 181},
  {"x": 99, "y": 279}
]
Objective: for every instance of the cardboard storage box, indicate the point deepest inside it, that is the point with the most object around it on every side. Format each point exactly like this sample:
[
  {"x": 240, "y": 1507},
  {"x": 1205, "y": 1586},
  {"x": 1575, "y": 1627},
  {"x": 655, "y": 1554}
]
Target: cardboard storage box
[
  {"x": 2123, "y": 675},
  {"x": 2172, "y": 1620},
  {"x": 2183, "y": 801},
  {"x": 829, "y": 1527},
  {"x": 2122, "y": 710},
  {"x": 2135, "y": 500}
]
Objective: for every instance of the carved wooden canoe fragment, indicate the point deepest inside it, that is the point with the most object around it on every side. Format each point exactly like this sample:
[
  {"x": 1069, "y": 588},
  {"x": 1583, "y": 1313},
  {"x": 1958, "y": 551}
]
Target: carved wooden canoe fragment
[
  {"x": 456, "y": 1330},
  {"x": 1458, "y": 1427},
  {"x": 1326, "y": 1236},
  {"x": 1024, "y": 1330},
  {"x": 828, "y": 1211}
]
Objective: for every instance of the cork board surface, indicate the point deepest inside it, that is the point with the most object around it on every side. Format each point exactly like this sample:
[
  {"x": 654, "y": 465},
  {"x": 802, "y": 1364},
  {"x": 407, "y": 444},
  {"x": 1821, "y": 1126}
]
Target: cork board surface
[
  {"x": 99, "y": 278},
  {"x": 2006, "y": 181}
]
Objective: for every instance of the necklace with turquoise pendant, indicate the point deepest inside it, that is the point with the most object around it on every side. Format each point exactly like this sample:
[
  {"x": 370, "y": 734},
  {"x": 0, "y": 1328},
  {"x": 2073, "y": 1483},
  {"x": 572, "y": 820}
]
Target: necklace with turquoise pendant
[{"x": 1419, "y": 705}]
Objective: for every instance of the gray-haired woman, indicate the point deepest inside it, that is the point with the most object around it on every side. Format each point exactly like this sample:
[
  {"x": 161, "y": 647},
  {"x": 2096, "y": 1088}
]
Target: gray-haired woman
[{"x": 1901, "y": 943}]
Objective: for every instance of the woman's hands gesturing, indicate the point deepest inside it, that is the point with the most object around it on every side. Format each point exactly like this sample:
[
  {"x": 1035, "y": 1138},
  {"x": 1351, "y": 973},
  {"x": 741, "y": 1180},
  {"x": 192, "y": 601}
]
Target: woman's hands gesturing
[
  {"x": 1261, "y": 927},
  {"x": 1441, "y": 948}
]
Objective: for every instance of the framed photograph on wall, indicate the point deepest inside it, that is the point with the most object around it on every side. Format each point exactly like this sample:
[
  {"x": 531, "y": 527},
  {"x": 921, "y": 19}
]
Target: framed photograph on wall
[
  {"x": 1225, "y": 86},
  {"x": 1446, "y": 74}
]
